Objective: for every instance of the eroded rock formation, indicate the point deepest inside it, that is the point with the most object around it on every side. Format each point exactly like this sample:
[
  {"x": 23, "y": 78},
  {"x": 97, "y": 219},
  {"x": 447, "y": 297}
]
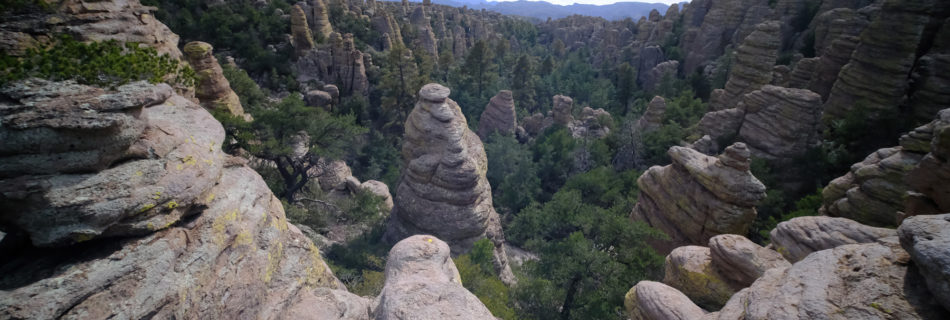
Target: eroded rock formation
[
  {"x": 698, "y": 196},
  {"x": 780, "y": 123},
  {"x": 212, "y": 89},
  {"x": 422, "y": 281},
  {"x": 753, "y": 66},
  {"x": 499, "y": 116},
  {"x": 443, "y": 190},
  {"x": 927, "y": 240},
  {"x": 797, "y": 238}
]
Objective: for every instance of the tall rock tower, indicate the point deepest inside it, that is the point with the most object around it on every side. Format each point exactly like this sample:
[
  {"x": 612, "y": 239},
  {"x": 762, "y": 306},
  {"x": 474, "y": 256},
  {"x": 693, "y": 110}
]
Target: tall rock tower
[{"x": 443, "y": 190}]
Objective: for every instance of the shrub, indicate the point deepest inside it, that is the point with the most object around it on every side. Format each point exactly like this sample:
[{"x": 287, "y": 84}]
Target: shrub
[{"x": 106, "y": 64}]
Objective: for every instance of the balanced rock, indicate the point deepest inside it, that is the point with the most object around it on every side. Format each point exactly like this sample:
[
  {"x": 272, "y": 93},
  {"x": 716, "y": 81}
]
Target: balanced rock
[
  {"x": 927, "y": 240},
  {"x": 423, "y": 283},
  {"x": 499, "y": 116},
  {"x": 213, "y": 89},
  {"x": 443, "y": 190},
  {"x": 698, "y": 196},
  {"x": 752, "y": 68},
  {"x": 797, "y": 238},
  {"x": 650, "y": 300}
]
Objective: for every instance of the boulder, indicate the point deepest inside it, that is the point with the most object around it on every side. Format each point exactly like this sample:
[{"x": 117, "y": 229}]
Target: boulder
[
  {"x": 423, "y": 283},
  {"x": 499, "y": 116},
  {"x": 929, "y": 180},
  {"x": 690, "y": 270},
  {"x": 650, "y": 300},
  {"x": 856, "y": 281},
  {"x": 380, "y": 189},
  {"x": 927, "y": 240},
  {"x": 698, "y": 196},
  {"x": 318, "y": 98},
  {"x": 740, "y": 260},
  {"x": 797, "y": 238},
  {"x": 213, "y": 89}
]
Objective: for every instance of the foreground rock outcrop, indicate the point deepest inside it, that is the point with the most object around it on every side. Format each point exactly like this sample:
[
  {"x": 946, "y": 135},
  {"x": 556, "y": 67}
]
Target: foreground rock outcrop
[
  {"x": 797, "y": 238},
  {"x": 443, "y": 190},
  {"x": 422, "y": 281},
  {"x": 653, "y": 300},
  {"x": 927, "y": 240},
  {"x": 186, "y": 223},
  {"x": 698, "y": 196}
]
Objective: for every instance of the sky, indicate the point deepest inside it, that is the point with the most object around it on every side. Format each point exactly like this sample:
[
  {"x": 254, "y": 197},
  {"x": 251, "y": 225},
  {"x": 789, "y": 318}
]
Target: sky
[{"x": 569, "y": 2}]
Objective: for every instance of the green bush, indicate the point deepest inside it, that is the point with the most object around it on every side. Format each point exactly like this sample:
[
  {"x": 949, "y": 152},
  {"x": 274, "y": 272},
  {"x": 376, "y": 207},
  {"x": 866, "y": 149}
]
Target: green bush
[
  {"x": 106, "y": 64},
  {"x": 478, "y": 276}
]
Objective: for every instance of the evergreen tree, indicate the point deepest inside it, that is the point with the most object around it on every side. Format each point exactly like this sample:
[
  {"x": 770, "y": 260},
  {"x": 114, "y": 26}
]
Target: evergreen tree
[
  {"x": 522, "y": 83},
  {"x": 626, "y": 83}
]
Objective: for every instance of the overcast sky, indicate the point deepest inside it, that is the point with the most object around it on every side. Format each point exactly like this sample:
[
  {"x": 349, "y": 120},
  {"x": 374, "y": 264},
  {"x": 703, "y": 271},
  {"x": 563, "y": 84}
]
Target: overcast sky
[{"x": 569, "y": 2}]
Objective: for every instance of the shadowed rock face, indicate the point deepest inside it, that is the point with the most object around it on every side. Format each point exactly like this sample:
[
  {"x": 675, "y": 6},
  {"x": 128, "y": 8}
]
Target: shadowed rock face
[
  {"x": 699, "y": 196},
  {"x": 876, "y": 76},
  {"x": 711, "y": 24},
  {"x": 499, "y": 115},
  {"x": 195, "y": 224},
  {"x": 753, "y": 66},
  {"x": 927, "y": 239},
  {"x": 213, "y": 90},
  {"x": 422, "y": 281},
  {"x": 443, "y": 190},
  {"x": 780, "y": 123}
]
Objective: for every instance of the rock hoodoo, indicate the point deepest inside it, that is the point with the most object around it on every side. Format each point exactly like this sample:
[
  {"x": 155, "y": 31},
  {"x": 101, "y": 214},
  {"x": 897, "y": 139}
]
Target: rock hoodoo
[
  {"x": 300, "y": 31},
  {"x": 698, "y": 196},
  {"x": 499, "y": 115},
  {"x": 212, "y": 89},
  {"x": 780, "y": 124},
  {"x": 443, "y": 190}
]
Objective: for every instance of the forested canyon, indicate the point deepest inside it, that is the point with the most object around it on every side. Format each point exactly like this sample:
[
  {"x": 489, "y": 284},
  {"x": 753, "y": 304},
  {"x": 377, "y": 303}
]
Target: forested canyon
[{"x": 363, "y": 159}]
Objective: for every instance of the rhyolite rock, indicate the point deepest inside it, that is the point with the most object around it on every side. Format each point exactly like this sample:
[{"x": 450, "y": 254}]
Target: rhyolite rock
[
  {"x": 591, "y": 123},
  {"x": 797, "y": 238},
  {"x": 740, "y": 261},
  {"x": 752, "y": 68},
  {"x": 690, "y": 270},
  {"x": 927, "y": 240},
  {"x": 780, "y": 123},
  {"x": 423, "y": 283},
  {"x": 124, "y": 21},
  {"x": 443, "y": 190},
  {"x": 213, "y": 89},
  {"x": 652, "y": 78},
  {"x": 499, "y": 116},
  {"x": 652, "y": 118},
  {"x": 130, "y": 162},
  {"x": 856, "y": 281},
  {"x": 234, "y": 233},
  {"x": 318, "y": 98},
  {"x": 928, "y": 181},
  {"x": 300, "y": 31},
  {"x": 650, "y": 300},
  {"x": 380, "y": 189},
  {"x": 319, "y": 19},
  {"x": 699, "y": 196},
  {"x": 563, "y": 110}
]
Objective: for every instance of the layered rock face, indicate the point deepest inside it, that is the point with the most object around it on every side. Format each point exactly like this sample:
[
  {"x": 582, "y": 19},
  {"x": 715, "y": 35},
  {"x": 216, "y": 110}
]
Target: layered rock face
[
  {"x": 780, "y": 123},
  {"x": 425, "y": 37},
  {"x": 753, "y": 66},
  {"x": 872, "y": 192},
  {"x": 931, "y": 193},
  {"x": 234, "y": 233},
  {"x": 213, "y": 90},
  {"x": 876, "y": 76},
  {"x": 443, "y": 190},
  {"x": 422, "y": 281},
  {"x": 711, "y": 24},
  {"x": 124, "y": 21},
  {"x": 499, "y": 116},
  {"x": 698, "y": 196}
]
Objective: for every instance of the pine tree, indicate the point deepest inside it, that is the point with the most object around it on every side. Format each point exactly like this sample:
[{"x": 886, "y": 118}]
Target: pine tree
[{"x": 522, "y": 83}]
